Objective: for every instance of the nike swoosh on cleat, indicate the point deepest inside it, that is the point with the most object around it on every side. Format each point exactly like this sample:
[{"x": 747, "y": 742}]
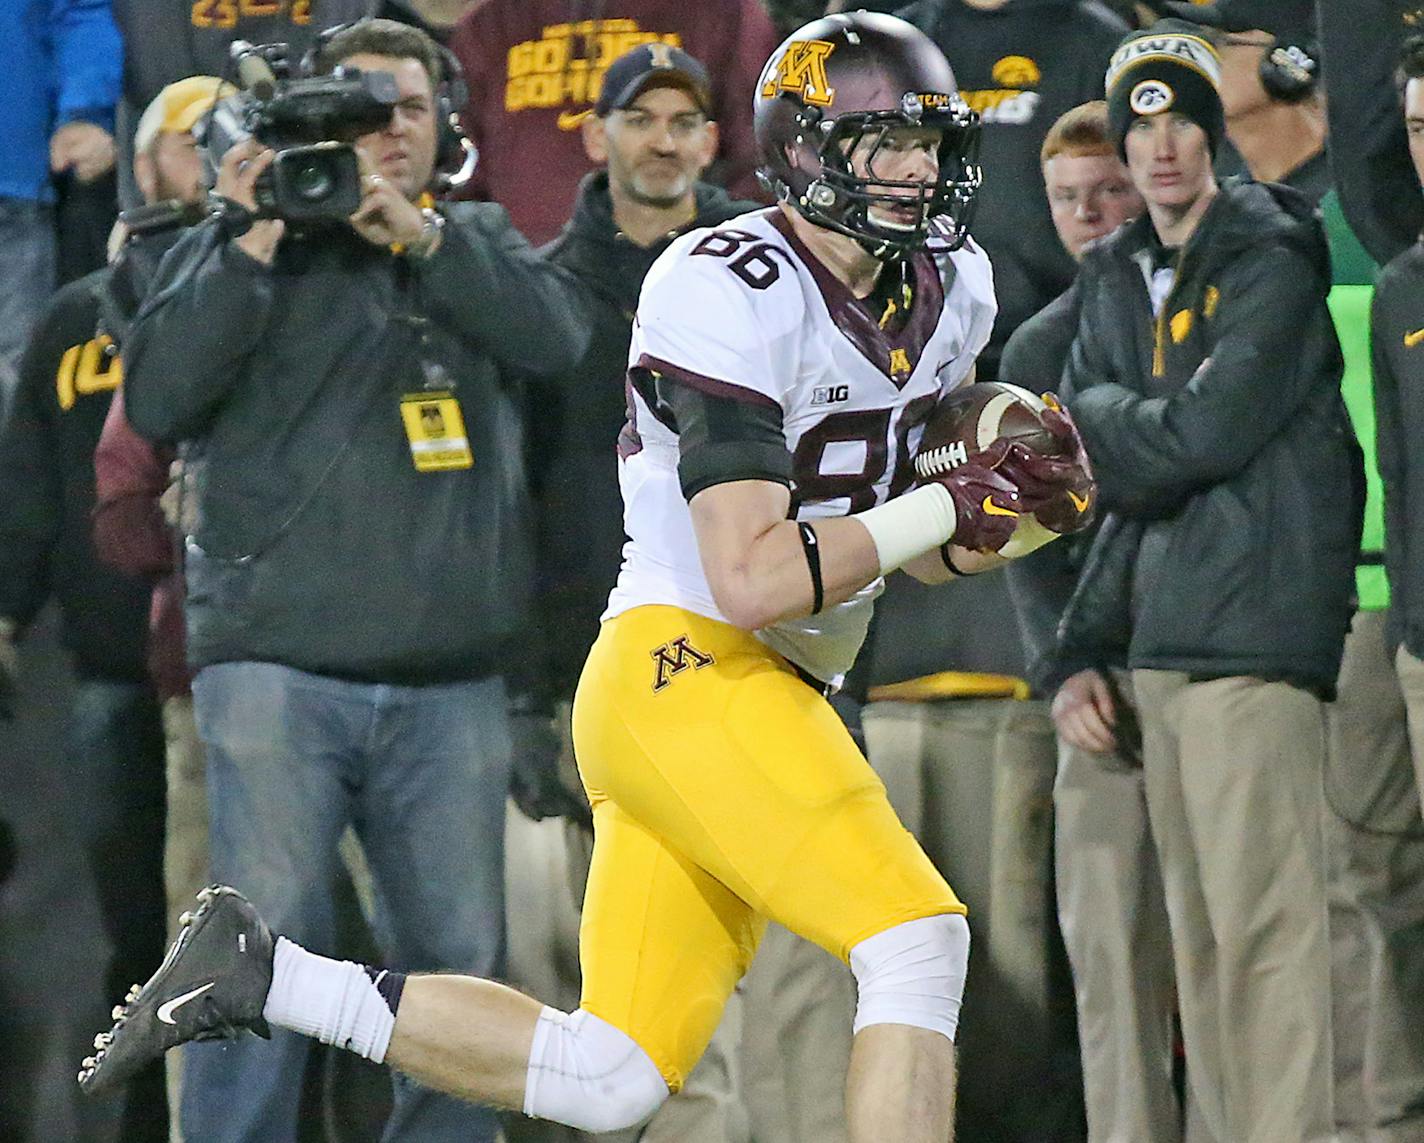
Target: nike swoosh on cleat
[
  {"x": 1079, "y": 502},
  {"x": 1413, "y": 339},
  {"x": 994, "y": 510},
  {"x": 166, "y": 1010}
]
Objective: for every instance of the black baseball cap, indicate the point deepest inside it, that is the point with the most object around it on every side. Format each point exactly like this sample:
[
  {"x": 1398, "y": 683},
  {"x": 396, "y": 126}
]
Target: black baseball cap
[
  {"x": 1292, "y": 20},
  {"x": 650, "y": 65}
]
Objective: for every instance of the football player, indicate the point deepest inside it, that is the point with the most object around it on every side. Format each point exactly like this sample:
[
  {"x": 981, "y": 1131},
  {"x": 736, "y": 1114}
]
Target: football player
[{"x": 781, "y": 371}]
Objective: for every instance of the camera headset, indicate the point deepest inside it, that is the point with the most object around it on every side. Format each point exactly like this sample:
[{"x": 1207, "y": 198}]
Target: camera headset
[
  {"x": 454, "y": 151},
  {"x": 1290, "y": 72}
]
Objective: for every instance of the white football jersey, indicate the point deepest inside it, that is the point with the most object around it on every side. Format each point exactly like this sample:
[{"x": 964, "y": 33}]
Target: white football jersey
[{"x": 745, "y": 311}]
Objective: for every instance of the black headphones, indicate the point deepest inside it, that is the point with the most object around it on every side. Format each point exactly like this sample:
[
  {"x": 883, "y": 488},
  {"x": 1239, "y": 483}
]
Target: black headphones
[
  {"x": 1290, "y": 72},
  {"x": 454, "y": 151}
]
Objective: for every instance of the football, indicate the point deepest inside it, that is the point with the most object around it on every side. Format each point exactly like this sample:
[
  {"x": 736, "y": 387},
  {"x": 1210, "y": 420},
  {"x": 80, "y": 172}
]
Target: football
[{"x": 972, "y": 417}]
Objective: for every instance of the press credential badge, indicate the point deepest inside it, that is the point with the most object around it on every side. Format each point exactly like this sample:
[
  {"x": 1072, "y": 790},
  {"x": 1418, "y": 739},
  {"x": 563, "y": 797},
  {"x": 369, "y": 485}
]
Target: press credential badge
[{"x": 435, "y": 428}]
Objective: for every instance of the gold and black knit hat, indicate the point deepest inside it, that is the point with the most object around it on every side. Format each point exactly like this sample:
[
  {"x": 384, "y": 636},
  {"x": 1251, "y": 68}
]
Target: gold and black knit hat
[{"x": 1167, "y": 67}]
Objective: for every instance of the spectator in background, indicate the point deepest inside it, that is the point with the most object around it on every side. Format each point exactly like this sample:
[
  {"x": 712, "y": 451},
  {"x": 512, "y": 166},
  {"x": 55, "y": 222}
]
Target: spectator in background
[
  {"x": 1270, "y": 80},
  {"x": 1361, "y": 43},
  {"x": 1208, "y": 394},
  {"x": 168, "y": 40},
  {"x": 343, "y": 675},
  {"x": 132, "y": 534},
  {"x": 946, "y": 675},
  {"x": 1020, "y": 64},
  {"x": 71, "y": 371},
  {"x": 1109, "y": 887},
  {"x": 1395, "y": 342},
  {"x": 965, "y": 746},
  {"x": 1374, "y": 831},
  {"x": 58, "y": 91},
  {"x": 651, "y": 135},
  {"x": 129, "y": 532},
  {"x": 534, "y": 69}
]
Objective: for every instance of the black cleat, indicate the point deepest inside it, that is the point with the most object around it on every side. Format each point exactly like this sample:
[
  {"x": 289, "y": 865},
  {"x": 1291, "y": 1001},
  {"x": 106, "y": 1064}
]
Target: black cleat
[{"x": 211, "y": 985}]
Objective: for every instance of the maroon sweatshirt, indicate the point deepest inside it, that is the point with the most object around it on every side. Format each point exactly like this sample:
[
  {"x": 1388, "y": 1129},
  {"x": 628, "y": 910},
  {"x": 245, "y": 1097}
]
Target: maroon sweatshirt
[
  {"x": 533, "y": 66},
  {"x": 131, "y": 534}
]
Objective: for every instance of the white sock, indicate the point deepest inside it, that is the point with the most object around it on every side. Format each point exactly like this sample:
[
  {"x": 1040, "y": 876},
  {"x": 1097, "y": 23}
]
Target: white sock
[{"x": 335, "y": 1001}]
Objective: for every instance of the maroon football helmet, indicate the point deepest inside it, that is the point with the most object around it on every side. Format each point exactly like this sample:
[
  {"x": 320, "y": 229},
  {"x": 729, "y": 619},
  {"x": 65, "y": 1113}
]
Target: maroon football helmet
[{"x": 850, "y": 78}]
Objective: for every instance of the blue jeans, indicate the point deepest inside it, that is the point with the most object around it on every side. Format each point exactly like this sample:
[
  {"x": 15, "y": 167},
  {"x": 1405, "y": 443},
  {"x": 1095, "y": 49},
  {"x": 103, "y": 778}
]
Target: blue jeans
[
  {"x": 421, "y": 773},
  {"x": 26, "y": 282}
]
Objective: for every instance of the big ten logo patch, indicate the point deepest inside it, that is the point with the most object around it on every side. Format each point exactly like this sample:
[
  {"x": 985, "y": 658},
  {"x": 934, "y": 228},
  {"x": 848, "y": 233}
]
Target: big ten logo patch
[
  {"x": 675, "y": 657},
  {"x": 566, "y": 64},
  {"x": 93, "y": 367},
  {"x": 801, "y": 70},
  {"x": 226, "y": 13},
  {"x": 1012, "y": 99}
]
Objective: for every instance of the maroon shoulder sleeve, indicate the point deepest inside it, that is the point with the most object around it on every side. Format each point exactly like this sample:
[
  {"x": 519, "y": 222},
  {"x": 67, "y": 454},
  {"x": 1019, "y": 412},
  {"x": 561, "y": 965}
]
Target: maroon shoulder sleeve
[{"x": 130, "y": 532}]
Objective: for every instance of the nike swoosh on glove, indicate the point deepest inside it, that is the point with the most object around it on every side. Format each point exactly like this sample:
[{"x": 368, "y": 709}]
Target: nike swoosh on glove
[
  {"x": 986, "y": 506},
  {"x": 1059, "y": 490}
]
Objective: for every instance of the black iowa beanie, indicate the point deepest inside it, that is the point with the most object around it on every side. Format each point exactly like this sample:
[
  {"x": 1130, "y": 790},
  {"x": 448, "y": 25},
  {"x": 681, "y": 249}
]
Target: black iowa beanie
[{"x": 1167, "y": 67}]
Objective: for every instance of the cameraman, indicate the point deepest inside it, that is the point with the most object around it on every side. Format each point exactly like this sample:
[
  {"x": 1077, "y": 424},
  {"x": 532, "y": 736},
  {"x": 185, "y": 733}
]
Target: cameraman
[{"x": 359, "y": 560}]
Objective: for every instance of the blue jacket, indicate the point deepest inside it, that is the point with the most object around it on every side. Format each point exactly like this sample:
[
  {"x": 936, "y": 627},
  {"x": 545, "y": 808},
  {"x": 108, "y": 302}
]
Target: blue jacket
[{"x": 65, "y": 62}]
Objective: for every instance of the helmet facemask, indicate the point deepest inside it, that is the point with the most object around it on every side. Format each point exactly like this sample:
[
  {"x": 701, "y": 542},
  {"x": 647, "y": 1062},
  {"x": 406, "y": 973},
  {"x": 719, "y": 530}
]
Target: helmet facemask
[{"x": 839, "y": 199}]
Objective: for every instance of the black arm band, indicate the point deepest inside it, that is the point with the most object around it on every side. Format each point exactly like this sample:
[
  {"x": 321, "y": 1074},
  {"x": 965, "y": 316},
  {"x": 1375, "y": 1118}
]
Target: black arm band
[
  {"x": 721, "y": 438},
  {"x": 949, "y": 563},
  {"x": 812, "y": 547}
]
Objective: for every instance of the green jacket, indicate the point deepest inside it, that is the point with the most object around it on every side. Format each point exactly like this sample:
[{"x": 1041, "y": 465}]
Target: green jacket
[{"x": 1352, "y": 274}]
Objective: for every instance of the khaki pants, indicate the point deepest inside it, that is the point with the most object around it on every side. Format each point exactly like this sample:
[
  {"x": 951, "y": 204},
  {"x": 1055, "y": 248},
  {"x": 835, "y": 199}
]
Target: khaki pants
[
  {"x": 1234, "y": 772},
  {"x": 1114, "y": 919},
  {"x": 185, "y": 843},
  {"x": 546, "y": 867},
  {"x": 798, "y": 1002},
  {"x": 972, "y": 779},
  {"x": 185, "y": 848},
  {"x": 1411, "y": 682},
  {"x": 1375, "y": 839}
]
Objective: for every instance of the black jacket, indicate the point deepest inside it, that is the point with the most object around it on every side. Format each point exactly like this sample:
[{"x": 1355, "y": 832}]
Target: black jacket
[
  {"x": 574, "y": 427},
  {"x": 1397, "y": 352},
  {"x": 318, "y": 544},
  {"x": 1225, "y": 459},
  {"x": 1042, "y": 583},
  {"x": 67, "y": 379}
]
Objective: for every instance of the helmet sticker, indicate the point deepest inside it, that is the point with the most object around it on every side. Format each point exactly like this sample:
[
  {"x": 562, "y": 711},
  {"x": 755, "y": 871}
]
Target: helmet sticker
[{"x": 802, "y": 71}]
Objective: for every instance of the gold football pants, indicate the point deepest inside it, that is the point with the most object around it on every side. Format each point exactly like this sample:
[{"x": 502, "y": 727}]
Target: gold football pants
[{"x": 725, "y": 791}]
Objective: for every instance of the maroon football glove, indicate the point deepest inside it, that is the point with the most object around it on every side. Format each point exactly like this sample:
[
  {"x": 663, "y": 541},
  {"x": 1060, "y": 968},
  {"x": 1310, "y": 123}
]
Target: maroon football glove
[
  {"x": 1059, "y": 421},
  {"x": 986, "y": 506},
  {"x": 1059, "y": 490}
]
